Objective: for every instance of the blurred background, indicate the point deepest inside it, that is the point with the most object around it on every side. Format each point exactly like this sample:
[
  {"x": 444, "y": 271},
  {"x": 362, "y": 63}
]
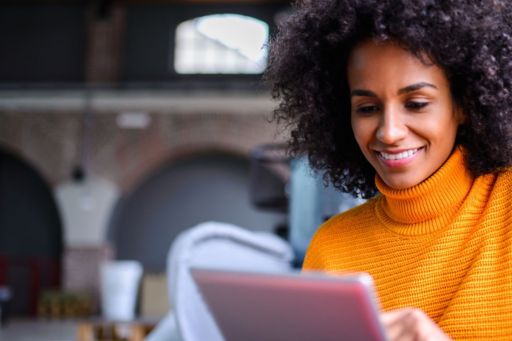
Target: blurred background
[{"x": 123, "y": 123}]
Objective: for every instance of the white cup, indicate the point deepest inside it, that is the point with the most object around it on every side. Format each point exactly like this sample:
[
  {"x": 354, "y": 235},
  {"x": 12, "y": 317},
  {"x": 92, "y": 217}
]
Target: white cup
[{"x": 119, "y": 283}]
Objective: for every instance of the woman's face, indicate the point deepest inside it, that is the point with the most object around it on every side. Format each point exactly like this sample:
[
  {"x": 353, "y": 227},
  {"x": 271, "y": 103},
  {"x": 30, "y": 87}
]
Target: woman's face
[{"x": 402, "y": 112}]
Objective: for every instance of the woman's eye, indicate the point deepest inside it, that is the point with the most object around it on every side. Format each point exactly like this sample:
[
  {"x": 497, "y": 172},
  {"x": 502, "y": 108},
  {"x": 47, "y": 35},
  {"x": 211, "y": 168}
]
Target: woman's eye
[
  {"x": 416, "y": 105},
  {"x": 367, "y": 109}
]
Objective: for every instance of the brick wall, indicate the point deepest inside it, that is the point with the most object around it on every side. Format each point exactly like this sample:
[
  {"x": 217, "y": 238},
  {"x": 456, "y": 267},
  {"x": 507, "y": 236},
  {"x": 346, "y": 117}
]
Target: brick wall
[
  {"x": 104, "y": 44},
  {"x": 51, "y": 141}
]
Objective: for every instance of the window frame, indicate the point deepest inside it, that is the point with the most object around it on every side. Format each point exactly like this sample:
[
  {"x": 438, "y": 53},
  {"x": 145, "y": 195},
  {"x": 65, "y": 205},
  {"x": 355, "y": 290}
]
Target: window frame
[
  {"x": 173, "y": 15},
  {"x": 195, "y": 42}
]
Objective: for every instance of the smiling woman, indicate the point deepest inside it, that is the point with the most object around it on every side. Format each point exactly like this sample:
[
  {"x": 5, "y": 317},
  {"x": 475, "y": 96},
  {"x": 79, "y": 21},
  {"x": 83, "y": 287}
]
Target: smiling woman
[
  {"x": 403, "y": 116},
  {"x": 408, "y": 103}
]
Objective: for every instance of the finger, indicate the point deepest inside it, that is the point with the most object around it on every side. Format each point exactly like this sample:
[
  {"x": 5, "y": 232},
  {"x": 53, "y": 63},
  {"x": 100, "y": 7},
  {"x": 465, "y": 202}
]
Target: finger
[
  {"x": 392, "y": 316},
  {"x": 391, "y": 322},
  {"x": 400, "y": 324}
]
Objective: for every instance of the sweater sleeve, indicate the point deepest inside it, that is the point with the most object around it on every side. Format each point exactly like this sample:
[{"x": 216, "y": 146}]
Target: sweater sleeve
[
  {"x": 315, "y": 255},
  {"x": 312, "y": 259}
]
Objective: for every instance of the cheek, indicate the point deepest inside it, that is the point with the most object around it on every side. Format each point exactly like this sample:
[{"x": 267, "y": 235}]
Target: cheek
[
  {"x": 363, "y": 131},
  {"x": 436, "y": 129},
  {"x": 444, "y": 120},
  {"x": 363, "y": 134}
]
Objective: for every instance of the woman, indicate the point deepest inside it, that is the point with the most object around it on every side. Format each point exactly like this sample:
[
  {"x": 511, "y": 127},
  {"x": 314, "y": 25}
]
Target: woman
[{"x": 408, "y": 103}]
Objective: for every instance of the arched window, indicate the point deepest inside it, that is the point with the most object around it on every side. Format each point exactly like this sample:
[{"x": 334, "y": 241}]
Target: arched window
[{"x": 221, "y": 44}]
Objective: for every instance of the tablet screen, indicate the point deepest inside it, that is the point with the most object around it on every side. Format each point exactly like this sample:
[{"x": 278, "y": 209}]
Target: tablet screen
[{"x": 298, "y": 306}]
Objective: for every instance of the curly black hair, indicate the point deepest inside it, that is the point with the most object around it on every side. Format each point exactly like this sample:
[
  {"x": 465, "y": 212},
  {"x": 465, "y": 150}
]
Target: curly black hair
[{"x": 470, "y": 40}]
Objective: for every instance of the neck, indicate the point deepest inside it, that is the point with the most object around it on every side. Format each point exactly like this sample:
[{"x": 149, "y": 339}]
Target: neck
[{"x": 431, "y": 200}]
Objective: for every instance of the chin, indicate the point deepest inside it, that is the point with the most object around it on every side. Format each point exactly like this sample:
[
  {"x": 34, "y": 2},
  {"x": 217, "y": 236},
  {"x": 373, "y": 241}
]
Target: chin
[{"x": 400, "y": 183}]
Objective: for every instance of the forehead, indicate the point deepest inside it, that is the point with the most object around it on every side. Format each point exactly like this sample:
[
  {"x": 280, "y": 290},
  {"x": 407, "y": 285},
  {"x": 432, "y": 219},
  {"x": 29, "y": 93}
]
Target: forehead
[{"x": 371, "y": 62}]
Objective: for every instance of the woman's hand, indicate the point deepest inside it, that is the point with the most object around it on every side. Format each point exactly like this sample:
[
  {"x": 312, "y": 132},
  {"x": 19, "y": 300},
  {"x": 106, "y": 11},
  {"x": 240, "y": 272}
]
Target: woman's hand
[{"x": 411, "y": 324}]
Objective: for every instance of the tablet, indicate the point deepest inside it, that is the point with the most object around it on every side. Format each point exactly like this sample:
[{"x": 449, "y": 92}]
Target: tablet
[{"x": 298, "y": 306}]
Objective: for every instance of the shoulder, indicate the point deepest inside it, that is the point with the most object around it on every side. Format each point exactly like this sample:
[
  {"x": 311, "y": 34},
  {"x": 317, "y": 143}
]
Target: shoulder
[
  {"x": 506, "y": 174},
  {"x": 500, "y": 181},
  {"x": 503, "y": 183},
  {"x": 337, "y": 232},
  {"x": 494, "y": 191},
  {"x": 355, "y": 218},
  {"x": 363, "y": 211}
]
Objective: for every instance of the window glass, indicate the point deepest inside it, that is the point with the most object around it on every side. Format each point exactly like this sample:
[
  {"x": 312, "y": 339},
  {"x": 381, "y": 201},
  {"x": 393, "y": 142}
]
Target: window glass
[{"x": 221, "y": 44}]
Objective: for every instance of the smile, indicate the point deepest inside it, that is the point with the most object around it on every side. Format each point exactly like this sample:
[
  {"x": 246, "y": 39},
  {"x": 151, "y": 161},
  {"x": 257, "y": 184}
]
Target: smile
[{"x": 398, "y": 156}]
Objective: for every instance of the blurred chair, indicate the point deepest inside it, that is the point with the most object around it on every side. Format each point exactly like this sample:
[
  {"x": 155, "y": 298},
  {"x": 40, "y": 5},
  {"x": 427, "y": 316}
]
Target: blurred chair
[
  {"x": 212, "y": 245},
  {"x": 269, "y": 175}
]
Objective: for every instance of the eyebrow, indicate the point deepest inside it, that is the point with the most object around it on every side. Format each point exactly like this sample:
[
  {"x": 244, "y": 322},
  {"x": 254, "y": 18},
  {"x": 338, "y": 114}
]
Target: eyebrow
[
  {"x": 416, "y": 86},
  {"x": 409, "y": 88}
]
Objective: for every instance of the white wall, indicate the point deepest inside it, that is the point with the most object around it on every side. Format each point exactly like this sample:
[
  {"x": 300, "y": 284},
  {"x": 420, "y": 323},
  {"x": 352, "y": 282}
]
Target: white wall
[{"x": 86, "y": 208}]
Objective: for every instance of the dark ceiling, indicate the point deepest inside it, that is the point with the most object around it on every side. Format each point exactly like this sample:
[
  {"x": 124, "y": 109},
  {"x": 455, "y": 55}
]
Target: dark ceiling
[{"x": 139, "y": 2}]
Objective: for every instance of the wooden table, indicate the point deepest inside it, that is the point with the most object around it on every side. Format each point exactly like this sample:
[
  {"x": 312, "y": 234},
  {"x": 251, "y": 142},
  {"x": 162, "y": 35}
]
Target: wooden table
[{"x": 99, "y": 330}]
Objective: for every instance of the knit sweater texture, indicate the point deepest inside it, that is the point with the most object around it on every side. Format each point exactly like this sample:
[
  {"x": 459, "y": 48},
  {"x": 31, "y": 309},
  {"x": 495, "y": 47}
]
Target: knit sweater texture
[{"x": 444, "y": 246}]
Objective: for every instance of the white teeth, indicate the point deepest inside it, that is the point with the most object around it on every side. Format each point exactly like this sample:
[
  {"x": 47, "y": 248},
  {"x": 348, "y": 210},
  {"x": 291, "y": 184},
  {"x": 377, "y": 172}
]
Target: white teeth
[{"x": 399, "y": 156}]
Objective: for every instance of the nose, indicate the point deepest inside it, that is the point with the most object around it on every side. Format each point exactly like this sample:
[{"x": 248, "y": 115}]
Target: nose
[{"x": 391, "y": 127}]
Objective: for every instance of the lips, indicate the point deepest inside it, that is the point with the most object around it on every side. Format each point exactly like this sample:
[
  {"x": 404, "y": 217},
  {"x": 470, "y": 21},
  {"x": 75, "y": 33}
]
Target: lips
[{"x": 398, "y": 156}]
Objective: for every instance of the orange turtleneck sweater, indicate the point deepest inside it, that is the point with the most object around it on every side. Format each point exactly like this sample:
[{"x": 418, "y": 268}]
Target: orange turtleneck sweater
[{"x": 444, "y": 246}]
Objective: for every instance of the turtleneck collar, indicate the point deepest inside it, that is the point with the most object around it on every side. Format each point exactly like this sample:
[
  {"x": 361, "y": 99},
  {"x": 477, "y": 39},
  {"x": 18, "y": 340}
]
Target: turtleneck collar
[{"x": 428, "y": 206}]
